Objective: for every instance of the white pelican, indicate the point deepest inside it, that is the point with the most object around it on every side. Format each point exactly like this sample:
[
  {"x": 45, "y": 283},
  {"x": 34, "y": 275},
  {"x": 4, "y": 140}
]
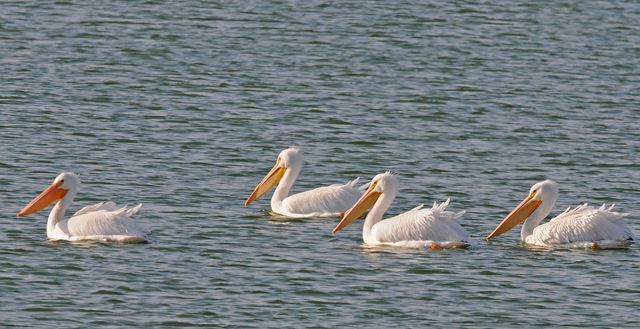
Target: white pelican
[
  {"x": 434, "y": 228},
  {"x": 320, "y": 202},
  {"x": 581, "y": 227},
  {"x": 102, "y": 222}
]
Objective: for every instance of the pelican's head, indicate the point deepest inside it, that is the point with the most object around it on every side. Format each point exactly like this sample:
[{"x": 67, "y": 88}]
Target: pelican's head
[
  {"x": 61, "y": 185},
  {"x": 385, "y": 182},
  {"x": 542, "y": 196},
  {"x": 289, "y": 159}
]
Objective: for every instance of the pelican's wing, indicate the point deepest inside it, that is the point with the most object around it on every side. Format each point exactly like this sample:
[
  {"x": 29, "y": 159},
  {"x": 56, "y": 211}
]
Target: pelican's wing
[
  {"x": 418, "y": 224},
  {"x": 104, "y": 221},
  {"x": 323, "y": 201},
  {"x": 108, "y": 206},
  {"x": 584, "y": 224}
]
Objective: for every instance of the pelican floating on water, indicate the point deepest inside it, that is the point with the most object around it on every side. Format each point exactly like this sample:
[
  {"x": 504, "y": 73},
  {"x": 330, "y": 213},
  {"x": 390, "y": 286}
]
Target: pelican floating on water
[
  {"x": 434, "y": 228},
  {"x": 580, "y": 227},
  {"x": 320, "y": 202},
  {"x": 101, "y": 222}
]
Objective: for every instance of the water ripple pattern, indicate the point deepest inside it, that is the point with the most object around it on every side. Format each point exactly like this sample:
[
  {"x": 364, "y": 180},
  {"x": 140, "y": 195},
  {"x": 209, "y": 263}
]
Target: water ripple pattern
[{"x": 184, "y": 105}]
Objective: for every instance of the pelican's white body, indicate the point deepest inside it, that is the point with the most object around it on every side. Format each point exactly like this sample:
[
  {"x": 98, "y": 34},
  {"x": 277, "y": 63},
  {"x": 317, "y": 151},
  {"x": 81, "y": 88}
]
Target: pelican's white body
[
  {"x": 418, "y": 228},
  {"x": 101, "y": 222},
  {"x": 583, "y": 226},
  {"x": 325, "y": 201}
]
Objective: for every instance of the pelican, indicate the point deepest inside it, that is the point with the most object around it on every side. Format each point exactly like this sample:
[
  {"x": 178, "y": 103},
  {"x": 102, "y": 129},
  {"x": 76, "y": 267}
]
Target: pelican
[
  {"x": 434, "y": 228},
  {"x": 101, "y": 222},
  {"x": 581, "y": 227},
  {"x": 325, "y": 201}
]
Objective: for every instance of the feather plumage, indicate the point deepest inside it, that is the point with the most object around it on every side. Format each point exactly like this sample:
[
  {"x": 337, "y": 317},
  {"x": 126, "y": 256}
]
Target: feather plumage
[
  {"x": 583, "y": 223},
  {"x": 103, "y": 221},
  {"x": 420, "y": 224},
  {"x": 322, "y": 201}
]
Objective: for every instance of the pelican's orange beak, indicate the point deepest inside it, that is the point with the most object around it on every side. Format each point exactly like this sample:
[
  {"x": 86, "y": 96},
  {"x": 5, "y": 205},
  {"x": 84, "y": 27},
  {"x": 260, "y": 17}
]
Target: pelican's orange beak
[
  {"x": 517, "y": 216},
  {"x": 268, "y": 182},
  {"x": 50, "y": 195},
  {"x": 366, "y": 201}
]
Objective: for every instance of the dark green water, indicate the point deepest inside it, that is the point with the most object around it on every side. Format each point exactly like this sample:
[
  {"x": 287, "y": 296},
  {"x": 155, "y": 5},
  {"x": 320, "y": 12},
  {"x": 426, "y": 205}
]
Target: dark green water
[{"x": 184, "y": 105}]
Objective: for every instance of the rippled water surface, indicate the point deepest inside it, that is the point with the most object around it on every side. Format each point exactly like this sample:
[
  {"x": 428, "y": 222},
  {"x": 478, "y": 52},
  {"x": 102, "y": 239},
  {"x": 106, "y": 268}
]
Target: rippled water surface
[{"x": 184, "y": 106}]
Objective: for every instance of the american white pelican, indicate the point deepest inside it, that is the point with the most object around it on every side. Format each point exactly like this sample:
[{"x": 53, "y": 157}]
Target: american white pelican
[
  {"x": 320, "y": 202},
  {"x": 581, "y": 227},
  {"x": 417, "y": 228},
  {"x": 102, "y": 222}
]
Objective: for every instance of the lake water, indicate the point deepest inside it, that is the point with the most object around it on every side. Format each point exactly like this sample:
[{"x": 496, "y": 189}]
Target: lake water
[{"x": 184, "y": 106}]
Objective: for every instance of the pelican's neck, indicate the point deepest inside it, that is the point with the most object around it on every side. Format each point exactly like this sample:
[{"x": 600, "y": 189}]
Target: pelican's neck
[
  {"x": 284, "y": 186},
  {"x": 57, "y": 213},
  {"x": 536, "y": 218},
  {"x": 375, "y": 214}
]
